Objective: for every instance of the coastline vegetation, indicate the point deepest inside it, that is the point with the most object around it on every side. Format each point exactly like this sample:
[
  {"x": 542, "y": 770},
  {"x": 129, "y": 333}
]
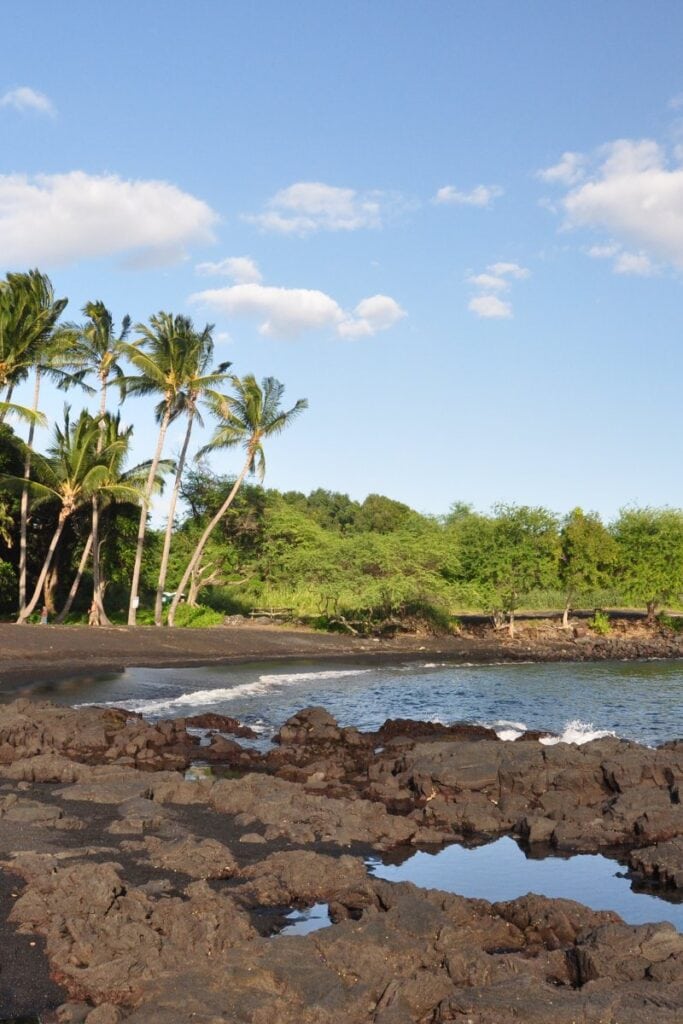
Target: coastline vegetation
[{"x": 74, "y": 520}]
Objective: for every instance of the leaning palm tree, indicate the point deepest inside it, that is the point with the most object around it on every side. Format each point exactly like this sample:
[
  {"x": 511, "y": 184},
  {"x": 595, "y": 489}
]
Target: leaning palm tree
[
  {"x": 166, "y": 357},
  {"x": 98, "y": 350},
  {"x": 253, "y": 413},
  {"x": 111, "y": 432},
  {"x": 200, "y": 386},
  {"x": 71, "y": 474}
]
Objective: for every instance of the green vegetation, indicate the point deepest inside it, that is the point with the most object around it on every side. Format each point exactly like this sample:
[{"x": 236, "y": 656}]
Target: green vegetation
[
  {"x": 600, "y": 623},
  {"x": 75, "y": 535}
]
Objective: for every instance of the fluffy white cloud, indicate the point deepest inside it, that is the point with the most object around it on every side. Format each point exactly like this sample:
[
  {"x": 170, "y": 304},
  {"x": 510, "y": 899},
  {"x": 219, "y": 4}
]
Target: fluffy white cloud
[
  {"x": 624, "y": 262},
  {"x": 635, "y": 193},
  {"x": 377, "y": 313},
  {"x": 289, "y": 312},
  {"x": 62, "y": 218},
  {"x": 489, "y": 282},
  {"x": 509, "y": 270},
  {"x": 242, "y": 269},
  {"x": 24, "y": 98},
  {"x": 310, "y": 206},
  {"x": 491, "y": 307},
  {"x": 496, "y": 279},
  {"x": 567, "y": 171},
  {"x": 481, "y": 195}
]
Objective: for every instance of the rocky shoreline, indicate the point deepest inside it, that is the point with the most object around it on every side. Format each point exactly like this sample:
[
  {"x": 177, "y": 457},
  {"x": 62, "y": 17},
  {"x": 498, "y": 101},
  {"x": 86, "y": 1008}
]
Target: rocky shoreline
[{"x": 131, "y": 893}]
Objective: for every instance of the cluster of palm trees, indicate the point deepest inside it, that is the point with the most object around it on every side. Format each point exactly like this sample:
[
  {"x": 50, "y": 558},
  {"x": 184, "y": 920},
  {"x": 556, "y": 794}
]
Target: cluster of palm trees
[{"x": 169, "y": 361}]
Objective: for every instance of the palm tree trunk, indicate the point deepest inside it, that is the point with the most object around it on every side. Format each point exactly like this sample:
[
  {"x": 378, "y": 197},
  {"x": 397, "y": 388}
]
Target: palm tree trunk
[
  {"x": 194, "y": 561},
  {"x": 7, "y": 398},
  {"x": 100, "y": 617},
  {"x": 163, "y": 570},
  {"x": 132, "y": 607},
  {"x": 77, "y": 581},
  {"x": 24, "y": 503},
  {"x": 28, "y": 609}
]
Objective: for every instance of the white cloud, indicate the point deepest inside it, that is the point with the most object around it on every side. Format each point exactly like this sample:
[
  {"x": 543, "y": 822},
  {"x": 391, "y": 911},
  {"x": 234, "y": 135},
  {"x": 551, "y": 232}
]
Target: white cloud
[
  {"x": 497, "y": 278},
  {"x": 24, "y": 98},
  {"x": 289, "y": 312},
  {"x": 568, "y": 171},
  {"x": 603, "y": 252},
  {"x": 676, "y": 102},
  {"x": 636, "y": 195},
  {"x": 509, "y": 270},
  {"x": 310, "y": 206},
  {"x": 63, "y": 218},
  {"x": 481, "y": 195},
  {"x": 623, "y": 262},
  {"x": 490, "y": 307},
  {"x": 377, "y": 313},
  {"x": 636, "y": 263},
  {"x": 489, "y": 282},
  {"x": 242, "y": 269}
]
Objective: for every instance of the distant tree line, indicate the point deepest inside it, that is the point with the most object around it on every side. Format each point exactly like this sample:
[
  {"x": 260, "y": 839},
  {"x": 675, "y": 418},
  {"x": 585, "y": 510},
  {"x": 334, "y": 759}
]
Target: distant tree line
[{"x": 327, "y": 557}]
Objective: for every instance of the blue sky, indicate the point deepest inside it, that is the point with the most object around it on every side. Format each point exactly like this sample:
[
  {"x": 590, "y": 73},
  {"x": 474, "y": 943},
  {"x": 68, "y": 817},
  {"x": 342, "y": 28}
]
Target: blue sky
[{"x": 456, "y": 228}]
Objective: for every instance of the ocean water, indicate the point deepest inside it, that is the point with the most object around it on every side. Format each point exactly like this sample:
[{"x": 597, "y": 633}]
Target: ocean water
[{"x": 642, "y": 701}]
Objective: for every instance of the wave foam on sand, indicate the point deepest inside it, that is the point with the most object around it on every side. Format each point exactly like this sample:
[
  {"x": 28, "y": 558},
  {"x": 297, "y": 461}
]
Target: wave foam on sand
[{"x": 204, "y": 698}]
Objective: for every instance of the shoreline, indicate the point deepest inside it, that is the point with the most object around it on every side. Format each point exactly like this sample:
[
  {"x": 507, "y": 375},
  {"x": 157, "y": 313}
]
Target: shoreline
[
  {"x": 32, "y": 654},
  {"x": 118, "y": 871}
]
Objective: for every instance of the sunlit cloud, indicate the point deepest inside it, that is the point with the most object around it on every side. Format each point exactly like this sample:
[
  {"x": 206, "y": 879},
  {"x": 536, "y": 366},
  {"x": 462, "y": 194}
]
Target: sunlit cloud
[
  {"x": 490, "y": 307},
  {"x": 60, "y": 219},
  {"x": 481, "y": 195},
  {"x": 633, "y": 191},
  {"x": 24, "y": 98},
  {"x": 241, "y": 269},
  {"x": 310, "y": 206},
  {"x": 497, "y": 278},
  {"x": 291, "y": 312}
]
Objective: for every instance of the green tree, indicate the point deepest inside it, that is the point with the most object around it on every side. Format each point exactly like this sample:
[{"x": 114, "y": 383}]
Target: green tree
[
  {"x": 588, "y": 555},
  {"x": 72, "y": 473},
  {"x": 113, "y": 440},
  {"x": 650, "y": 555},
  {"x": 253, "y": 414},
  {"x": 526, "y": 550},
  {"x": 30, "y": 339},
  {"x": 97, "y": 349},
  {"x": 166, "y": 356}
]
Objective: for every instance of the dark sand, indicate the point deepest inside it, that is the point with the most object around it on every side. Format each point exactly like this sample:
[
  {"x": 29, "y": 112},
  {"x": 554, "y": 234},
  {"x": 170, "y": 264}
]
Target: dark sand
[{"x": 34, "y": 654}]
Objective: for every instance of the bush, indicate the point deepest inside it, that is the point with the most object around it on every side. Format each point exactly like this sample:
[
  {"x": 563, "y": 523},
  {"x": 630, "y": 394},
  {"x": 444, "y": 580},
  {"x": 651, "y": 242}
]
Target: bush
[
  {"x": 600, "y": 623},
  {"x": 198, "y": 617},
  {"x": 670, "y": 622}
]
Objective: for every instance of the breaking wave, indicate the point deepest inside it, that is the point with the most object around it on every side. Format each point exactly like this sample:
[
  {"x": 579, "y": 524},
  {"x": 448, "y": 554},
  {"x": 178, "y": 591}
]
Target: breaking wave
[
  {"x": 207, "y": 698},
  {"x": 577, "y": 732}
]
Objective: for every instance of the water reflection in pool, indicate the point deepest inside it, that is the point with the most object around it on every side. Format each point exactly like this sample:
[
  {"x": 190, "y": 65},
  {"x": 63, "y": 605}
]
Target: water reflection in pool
[{"x": 501, "y": 871}]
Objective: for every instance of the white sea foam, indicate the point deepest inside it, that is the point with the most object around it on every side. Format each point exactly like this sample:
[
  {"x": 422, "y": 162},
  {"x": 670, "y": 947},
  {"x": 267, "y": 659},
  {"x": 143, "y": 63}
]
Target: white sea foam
[
  {"x": 508, "y": 731},
  {"x": 577, "y": 732},
  {"x": 220, "y": 695}
]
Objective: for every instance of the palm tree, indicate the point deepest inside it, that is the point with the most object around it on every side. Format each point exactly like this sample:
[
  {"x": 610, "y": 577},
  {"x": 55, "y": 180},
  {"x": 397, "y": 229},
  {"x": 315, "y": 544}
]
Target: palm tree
[
  {"x": 98, "y": 350},
  {"x": 71, "y": 474},
  {"x": 29, "y": 339},
  {"x": 167, "y": 356},
  {"x": 253, "y": 414},
  {"x": 200, "y": 385},
  {"x": 111, "y": 432}
]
